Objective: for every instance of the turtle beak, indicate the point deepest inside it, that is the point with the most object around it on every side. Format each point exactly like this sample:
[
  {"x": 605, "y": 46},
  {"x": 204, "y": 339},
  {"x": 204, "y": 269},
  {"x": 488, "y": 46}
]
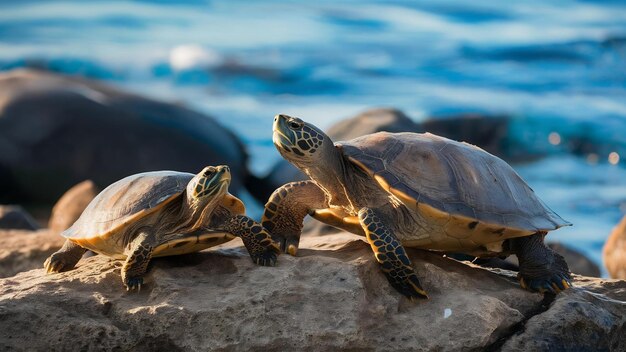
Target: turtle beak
[
  {"x": 223, "y": 174},
  {"x": 214, "y": 179},
  {"x": 281, "y": 131}
]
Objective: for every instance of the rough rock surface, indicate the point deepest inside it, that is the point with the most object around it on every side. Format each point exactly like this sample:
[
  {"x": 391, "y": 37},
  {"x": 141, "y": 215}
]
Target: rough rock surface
[
  {"x": 56, "y": 131},
  {"x": 22, "y": 250},
  {"x": 15, "y": 217},
  {"x": 332, "y": 296},
  {"x": 614, "y": 253},
  {"x": 69, "y": 207}
]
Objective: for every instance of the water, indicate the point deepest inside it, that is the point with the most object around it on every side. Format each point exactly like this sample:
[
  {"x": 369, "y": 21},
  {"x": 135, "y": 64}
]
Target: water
[{"x": 555, "y": 66}]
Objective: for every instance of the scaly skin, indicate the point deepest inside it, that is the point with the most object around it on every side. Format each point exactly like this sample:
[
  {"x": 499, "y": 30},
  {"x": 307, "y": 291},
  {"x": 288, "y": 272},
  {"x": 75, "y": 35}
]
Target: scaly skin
[
  {"x": 262, "y": 249},
  {"x": 65, "y": 258},
  {"x": 391, "y": 255}
]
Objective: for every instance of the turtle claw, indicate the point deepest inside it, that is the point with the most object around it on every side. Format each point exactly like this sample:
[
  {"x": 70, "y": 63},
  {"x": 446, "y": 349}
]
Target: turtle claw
[
  {"x": 410, "y": 287},
  {"x": 286, "y": 245},
  {"x": 134, "y": 283},
  {"x": 268, "y": 257},
  {"x": 555, "y": 284},
  {"x": 56, "y": 264}
]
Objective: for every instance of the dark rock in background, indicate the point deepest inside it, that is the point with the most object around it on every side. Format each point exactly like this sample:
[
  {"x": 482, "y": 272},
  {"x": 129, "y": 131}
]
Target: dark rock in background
[
  {"x": 56, "y": 131},
  {"x": 69, "y": 207},
  {"x": 578, "y": 263},
  {"x": 372, "y": 121},
  {"x": 487, "y": 132},
  {"x": 15, "y": 217}
]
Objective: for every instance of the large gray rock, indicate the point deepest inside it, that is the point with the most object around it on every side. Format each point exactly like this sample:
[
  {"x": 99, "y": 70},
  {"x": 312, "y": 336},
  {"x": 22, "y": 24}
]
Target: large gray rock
[
  {"x": 57, "y": 131},
  {"x": 22, "y": 250},
  {"x": 71, "y": 205},
  {"x": 15, "y": 217},
  {"x": 614, "y": 253},
  {"x": 332, "y": 297}
]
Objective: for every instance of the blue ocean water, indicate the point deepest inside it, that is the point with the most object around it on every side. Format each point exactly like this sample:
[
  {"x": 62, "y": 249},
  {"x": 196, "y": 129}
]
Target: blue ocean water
[{"x": 557, "y": 67}]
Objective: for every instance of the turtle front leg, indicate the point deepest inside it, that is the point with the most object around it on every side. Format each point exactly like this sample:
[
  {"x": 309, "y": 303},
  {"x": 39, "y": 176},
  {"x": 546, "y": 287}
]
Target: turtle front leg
[
  {"x": 65, "y": 258},
  {"x": 138, "y": 257},
  {"x": 262, "y": 249},
  {"x": 391, "y": 255},
  {"x": 540, "y": 268},
  {"x": 286, "y": 209}
]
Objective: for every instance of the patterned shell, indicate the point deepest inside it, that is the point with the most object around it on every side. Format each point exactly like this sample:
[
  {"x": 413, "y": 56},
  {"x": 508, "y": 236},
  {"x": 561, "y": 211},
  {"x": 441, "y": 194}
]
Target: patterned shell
[
  {"x": 456, "y": 178},
  {"x": 127, "y": 200}
]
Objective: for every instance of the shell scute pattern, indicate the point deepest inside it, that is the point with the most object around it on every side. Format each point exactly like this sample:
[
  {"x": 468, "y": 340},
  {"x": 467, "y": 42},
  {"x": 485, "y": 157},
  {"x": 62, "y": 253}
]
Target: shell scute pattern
[
  {"x": 452, "y": 177},
  {"x": 125, "y": 200}
]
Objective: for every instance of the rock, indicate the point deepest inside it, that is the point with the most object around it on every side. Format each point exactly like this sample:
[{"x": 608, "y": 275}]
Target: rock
[
  {"x": 578, "y": 263},
  {"x": 591, "y": 317},
  {"x": 614, "y": 253},
  {"x": 15, "y": 217},
  {"x": 22, "y": 250},
  {"x": 485, "y": 131},
  {"x": 57, "y": 131},
  {"x": 332, "y": 297},
  {"x": 372, "y": 121},
  {"x": 69, "y": 207}
]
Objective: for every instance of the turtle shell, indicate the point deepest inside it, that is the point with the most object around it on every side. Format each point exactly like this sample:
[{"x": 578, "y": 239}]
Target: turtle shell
[
  {"x": 442, "y": 176},
  {"x": 127, "y": 200}
]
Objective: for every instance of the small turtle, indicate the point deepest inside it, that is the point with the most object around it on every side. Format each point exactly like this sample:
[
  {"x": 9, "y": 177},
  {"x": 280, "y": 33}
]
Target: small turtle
[
  {"x": 162, "y": 213},
  {"x": 416, "y": 190}
]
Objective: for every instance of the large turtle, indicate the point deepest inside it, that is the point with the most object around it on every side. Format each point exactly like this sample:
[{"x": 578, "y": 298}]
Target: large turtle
[
  {"x": 416, "y": 190},
  {"x": 162, "y": 213}
]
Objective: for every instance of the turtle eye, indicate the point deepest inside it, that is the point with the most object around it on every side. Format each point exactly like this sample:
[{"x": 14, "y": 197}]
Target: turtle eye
[{"x": 295, "y": 124}]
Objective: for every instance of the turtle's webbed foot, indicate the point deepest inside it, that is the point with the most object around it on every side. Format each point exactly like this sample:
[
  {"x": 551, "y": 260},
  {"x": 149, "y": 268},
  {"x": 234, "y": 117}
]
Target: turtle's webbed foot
[
  {"x": 266, "y": 256},
  {"x": 404, "y": 280},
  {"x": 58, "y": 262},
  {"x": 554, "y": 284},
  {"x": 541, "y": 269},
  {"x": 287, "y": 244},
  {"x": 133, "y": 283}
]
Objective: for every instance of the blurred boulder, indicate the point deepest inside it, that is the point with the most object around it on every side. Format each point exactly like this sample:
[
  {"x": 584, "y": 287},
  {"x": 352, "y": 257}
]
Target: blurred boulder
[
  {"x": 614, "y": 253},
  {"x": 372, "y": 121},
  {"x": 15, "y": 217},
  {"x": 69, "y": 207},
  {"x": 578, "y": 263},
  {"x": 486, "y": 131},
  {"x": 56, "y": 131}
]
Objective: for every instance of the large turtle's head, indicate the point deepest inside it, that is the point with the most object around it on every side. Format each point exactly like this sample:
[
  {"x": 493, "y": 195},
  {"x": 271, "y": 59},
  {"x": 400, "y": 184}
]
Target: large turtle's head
[
  {"x": 300, "y": 142},
  {"x": 209, "y": 184}
]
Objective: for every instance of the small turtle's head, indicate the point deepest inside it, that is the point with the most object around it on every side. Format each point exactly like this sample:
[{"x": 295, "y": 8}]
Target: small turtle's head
[
  {"x": 210, "y": 183},
  {"x": 300, "y": 142}
]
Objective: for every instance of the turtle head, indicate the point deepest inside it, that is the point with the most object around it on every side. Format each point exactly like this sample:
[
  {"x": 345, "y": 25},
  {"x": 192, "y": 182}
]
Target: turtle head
[
  {"x": 210, "y": 183},
  {"x": 300, "y": 142}
]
